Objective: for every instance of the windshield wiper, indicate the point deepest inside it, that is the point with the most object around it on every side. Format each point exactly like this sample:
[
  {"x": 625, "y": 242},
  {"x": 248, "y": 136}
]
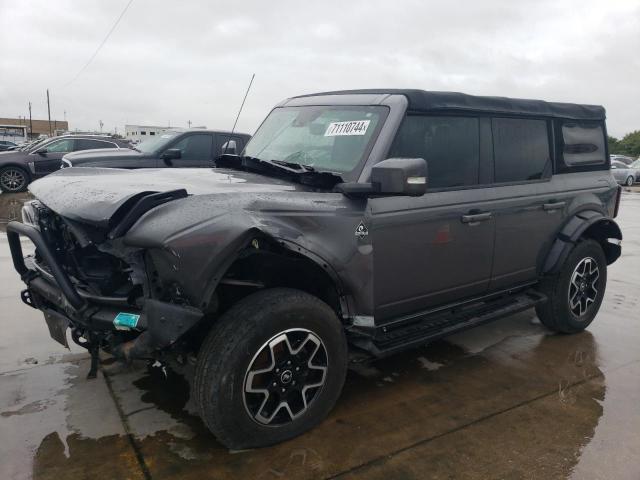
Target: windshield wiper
[
  {"x": 297, "y": 166},
  {"x": 292, "y": 171}
]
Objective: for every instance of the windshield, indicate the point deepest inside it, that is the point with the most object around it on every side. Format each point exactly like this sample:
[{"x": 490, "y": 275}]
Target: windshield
[
  {"x": 157, "y": 143},
  {"x": 38, "y": 143},
  {"x": 326, "y": 138}
]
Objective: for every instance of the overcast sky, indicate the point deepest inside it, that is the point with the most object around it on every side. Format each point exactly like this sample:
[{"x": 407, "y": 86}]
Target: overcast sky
[{"x": 192, "y": 60}]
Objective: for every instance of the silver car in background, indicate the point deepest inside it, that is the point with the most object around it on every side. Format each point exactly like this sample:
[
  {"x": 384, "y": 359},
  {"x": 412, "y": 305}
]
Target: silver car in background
[
  {"x": 624, "y": 174},
  {"x": 635, "y": 167},
  {"x": 621, "y": 158}
]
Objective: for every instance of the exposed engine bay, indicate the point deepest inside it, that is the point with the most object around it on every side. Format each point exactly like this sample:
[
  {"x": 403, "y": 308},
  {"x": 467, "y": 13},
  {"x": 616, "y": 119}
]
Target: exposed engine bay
[{"x": 113, "y": 304}]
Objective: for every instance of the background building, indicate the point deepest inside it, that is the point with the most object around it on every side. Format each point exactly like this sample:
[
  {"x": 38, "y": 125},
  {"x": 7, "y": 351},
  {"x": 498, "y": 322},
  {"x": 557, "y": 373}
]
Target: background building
[
  {"x": 138, "y": 133},
  {"x": 40, "y": 127}
]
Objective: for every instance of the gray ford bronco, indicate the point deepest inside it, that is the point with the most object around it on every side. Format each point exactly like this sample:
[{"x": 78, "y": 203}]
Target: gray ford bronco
[{"x": 353, "y": 222}]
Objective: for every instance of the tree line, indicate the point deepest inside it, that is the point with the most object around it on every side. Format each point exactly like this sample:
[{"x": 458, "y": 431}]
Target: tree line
[{"x": 627, "y": 145}]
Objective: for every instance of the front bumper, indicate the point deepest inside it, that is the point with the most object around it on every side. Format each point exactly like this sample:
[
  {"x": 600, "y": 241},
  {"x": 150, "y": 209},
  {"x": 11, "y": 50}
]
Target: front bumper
[{"x": 157, "y": 324}]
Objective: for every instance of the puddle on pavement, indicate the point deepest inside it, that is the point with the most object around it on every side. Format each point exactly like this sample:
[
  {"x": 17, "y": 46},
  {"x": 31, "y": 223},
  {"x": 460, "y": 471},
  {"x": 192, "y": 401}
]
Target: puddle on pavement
[
  {"x": 387, "y": 406},
  {"x": 395, "y": 403}
]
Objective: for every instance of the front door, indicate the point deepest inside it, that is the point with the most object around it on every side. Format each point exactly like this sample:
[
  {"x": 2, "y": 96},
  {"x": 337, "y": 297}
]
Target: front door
[
  {"x": 435, "y": 249},
  {"x": 47, "y": 159},
  {"x": 430, "y": 251},
  {"x": 196, "y": 150}
]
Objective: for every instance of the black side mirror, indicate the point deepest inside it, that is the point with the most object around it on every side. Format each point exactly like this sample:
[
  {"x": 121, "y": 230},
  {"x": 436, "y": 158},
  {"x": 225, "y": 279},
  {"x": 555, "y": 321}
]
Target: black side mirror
[
  {"x": 171, "y": 154},
  {"x": 42, "y": 153},
  {"x": 400, "y": 176}
]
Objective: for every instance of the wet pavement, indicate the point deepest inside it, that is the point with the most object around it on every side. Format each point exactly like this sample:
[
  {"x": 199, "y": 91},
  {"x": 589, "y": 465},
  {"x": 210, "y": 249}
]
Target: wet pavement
[{"x": 507, "y": 400}]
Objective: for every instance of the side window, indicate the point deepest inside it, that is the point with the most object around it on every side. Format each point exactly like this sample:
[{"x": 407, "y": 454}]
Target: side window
[
  {"x": 450, "y": 145},
  {"x": 195, "y": 147},
  {"x": 61, "y": 146},
  {"x": 581, "y": 144},
  {"x": 520, "y": 149},
  {"x": 86, "y": 144}
]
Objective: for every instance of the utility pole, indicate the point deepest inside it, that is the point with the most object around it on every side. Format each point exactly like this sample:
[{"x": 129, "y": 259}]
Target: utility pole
[
  {"x": 30, "y": 122},
  {"x": 101, "y": 124},
  {"x": 49, "y": 113},
  {"x": 189, "y": 123}
]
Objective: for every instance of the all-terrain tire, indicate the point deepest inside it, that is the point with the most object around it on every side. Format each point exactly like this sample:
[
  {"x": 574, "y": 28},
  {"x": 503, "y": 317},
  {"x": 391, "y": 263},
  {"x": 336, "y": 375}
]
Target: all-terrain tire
[
  {"x": 569, "y": 288},
  {"x": 253, "y": 330}
]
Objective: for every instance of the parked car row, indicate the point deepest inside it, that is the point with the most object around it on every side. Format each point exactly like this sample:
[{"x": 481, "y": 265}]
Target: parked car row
[
  {"x": 20, "y": 167},
  {"x": 176, "y": 148},
  {"x": 173, "y": 148}
]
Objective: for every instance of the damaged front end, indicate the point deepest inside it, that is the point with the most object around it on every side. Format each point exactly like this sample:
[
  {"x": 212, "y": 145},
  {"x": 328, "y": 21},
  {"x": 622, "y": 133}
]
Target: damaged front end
[{"x": 85, "y": 278}]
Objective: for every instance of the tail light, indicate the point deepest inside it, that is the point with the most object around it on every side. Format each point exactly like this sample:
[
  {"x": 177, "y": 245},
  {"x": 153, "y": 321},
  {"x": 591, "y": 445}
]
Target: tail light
[{"x": 617, "y": 207}]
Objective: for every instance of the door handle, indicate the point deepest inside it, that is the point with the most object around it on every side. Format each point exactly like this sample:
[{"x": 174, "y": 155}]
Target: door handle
[
  {"x": 476, "y": 217},
  {"x": 549, "y": 207}
]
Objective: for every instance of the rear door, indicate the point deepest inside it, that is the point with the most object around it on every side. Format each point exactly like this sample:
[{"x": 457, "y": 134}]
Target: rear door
[
  {"x": 529, "y": 207},
  {"x": 47, "y": 159},
  {"x": 196, "y": 150},
  {"x": 92, "y": 144},
  {"x": 435, "y": 249}
]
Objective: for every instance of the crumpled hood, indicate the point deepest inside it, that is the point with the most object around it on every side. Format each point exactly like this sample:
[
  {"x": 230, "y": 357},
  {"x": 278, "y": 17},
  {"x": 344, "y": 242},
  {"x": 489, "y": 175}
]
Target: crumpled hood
[{"x": 93, "y": 195}]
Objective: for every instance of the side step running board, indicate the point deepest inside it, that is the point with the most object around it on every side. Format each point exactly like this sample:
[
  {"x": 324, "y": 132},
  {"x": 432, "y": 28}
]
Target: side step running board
[{"x": 386, "y": 340}]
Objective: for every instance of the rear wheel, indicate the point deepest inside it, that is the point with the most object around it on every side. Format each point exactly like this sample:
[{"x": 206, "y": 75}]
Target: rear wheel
[
  {"x": 576, "y": 291},
  {"x": 629, "y": 181},
  {"x": 270, "y": 369},
  {"x": 13, "y": 179}
]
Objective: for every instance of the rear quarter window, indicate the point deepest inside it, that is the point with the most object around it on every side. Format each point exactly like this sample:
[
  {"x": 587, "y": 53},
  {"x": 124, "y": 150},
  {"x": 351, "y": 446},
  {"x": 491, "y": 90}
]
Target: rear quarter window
[{"x": 581, "y": 146}]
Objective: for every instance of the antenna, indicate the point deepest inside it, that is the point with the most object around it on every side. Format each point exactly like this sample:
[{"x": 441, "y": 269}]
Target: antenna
[{"x": 226, "y": 145}]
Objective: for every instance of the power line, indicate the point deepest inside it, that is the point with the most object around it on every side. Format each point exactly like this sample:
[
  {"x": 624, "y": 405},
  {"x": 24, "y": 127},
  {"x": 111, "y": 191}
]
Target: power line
[{"x": 99, "y": 46}]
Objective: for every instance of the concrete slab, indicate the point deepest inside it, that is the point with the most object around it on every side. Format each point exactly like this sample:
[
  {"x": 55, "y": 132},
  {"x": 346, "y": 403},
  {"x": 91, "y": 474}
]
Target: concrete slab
[{"x": 57, "y": 425}]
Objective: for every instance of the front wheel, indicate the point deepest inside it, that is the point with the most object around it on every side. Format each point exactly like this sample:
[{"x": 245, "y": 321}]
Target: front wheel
[
  {"x": 13, "y": 179},
  {"x": 575, "y": 293},
  {"x": 270, "y": 369},
  {"x": 629, "y": 181}
]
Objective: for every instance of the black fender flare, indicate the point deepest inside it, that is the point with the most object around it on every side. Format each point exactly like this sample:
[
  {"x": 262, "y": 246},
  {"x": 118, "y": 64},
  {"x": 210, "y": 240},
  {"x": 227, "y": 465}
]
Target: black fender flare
[
  {"x": 245, "y": 241},
  {"x": 589, "y": 223}
]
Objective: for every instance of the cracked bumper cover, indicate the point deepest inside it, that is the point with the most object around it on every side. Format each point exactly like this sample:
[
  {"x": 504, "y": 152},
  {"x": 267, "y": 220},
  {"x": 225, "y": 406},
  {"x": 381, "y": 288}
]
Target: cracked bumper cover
[{"x": 160, "y": 324}]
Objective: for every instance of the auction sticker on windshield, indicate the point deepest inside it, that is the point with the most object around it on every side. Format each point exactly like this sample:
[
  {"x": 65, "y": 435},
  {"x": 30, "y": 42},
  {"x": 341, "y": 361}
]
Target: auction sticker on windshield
[{"x": 354, "y": 127}]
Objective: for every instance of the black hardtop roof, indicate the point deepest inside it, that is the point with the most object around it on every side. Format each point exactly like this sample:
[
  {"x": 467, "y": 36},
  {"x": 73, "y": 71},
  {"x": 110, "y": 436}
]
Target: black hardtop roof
[{"x": 424, "y": 101}]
